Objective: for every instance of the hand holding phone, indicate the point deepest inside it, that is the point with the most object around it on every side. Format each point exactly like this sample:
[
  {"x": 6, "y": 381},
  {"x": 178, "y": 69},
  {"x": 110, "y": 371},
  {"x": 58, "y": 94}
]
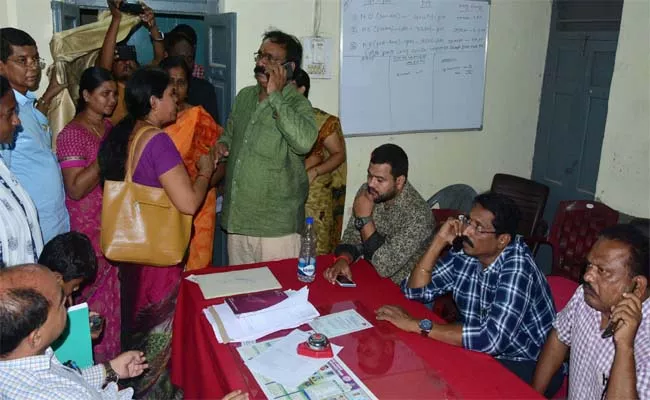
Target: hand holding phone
[
  {"x": 131, "y": 8},
  {"x": 96, "y": 322},
  {"x": 343, "y": 281}
]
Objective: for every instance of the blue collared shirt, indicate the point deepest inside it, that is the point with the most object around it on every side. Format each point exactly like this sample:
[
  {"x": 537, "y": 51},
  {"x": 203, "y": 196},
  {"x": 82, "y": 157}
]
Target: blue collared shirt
[
  {"x": 506, "y": 309},
  {"x": 32, "y": 161}
]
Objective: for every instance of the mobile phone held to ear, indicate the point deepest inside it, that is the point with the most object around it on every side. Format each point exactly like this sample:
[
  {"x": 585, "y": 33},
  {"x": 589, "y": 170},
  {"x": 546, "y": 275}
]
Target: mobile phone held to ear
[
  {"x": 288, "y": 66},
  {"x": 131, "y": 8},
  {"x": 343, "y": 281}
]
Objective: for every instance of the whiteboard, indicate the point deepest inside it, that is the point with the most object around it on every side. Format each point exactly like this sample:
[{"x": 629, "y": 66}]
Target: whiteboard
[{"x": 412, "y": 65}]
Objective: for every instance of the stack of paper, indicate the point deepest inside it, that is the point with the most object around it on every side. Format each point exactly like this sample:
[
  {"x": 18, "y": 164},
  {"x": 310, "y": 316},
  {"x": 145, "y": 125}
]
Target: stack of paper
[{"x": 290, "y": 313}]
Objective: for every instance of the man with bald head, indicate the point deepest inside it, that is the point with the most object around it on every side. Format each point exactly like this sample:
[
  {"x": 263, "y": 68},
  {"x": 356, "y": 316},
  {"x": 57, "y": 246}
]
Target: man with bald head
[{"x": 32, "y": 316}]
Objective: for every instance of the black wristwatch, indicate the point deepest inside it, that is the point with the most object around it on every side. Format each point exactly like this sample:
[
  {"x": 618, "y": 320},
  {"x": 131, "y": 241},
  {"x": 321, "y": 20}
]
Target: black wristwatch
[
  {"x": 360, "y": 222},
  {"x": 111, "y": 375}
]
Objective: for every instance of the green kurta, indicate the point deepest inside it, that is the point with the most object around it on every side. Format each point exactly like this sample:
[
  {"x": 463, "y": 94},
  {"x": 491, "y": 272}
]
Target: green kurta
[{"x": 266, "y": 182}]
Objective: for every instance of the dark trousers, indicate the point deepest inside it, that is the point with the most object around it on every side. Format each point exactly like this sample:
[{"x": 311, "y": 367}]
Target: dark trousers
[{"x": 525, "y": 370}]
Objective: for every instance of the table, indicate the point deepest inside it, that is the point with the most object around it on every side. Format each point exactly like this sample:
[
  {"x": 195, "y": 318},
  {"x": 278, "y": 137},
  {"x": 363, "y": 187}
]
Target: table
[{"x": 205, "y": 369}]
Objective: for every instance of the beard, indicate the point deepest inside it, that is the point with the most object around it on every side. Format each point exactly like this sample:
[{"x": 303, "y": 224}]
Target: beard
[{"x": 381, "y": 198}]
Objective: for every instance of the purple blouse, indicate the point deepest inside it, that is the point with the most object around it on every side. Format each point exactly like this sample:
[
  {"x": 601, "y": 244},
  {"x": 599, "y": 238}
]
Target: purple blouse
[{"x": 159, "y": 156}]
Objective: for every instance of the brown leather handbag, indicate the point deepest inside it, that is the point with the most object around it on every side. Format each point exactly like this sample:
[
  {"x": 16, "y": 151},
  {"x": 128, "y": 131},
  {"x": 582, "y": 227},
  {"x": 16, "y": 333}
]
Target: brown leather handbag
[{"x": 140, "y": 225}]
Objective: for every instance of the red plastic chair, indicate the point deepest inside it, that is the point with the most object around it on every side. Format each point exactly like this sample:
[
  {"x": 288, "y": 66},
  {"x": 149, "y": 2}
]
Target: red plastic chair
[{"x": 574, "y": 231}]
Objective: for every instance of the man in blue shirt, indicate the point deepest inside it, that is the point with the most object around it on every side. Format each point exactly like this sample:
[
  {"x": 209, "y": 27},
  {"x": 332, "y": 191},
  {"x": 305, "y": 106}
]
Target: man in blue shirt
[
  {"x": 505, "y": 304},
  {"x": 30, "y": 157}
]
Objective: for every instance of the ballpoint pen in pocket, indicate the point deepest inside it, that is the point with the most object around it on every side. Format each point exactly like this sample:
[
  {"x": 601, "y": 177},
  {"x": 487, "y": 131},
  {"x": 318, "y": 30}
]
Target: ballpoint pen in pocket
[{"x": 611, "y": 326}]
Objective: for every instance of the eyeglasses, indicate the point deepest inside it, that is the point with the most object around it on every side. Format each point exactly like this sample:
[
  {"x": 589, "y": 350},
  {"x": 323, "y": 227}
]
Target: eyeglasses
[
  {"x": 26, "y": 62},
  {"x": 467, "y": 221},
  {"x": 265, "y": 56}
]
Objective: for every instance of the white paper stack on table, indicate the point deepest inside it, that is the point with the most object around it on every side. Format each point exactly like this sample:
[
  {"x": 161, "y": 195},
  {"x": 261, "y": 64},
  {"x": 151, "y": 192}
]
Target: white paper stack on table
[{"x": 292, "y": 312}]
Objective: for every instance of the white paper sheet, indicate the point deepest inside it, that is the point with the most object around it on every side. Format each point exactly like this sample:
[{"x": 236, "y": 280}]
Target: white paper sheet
[
  {"x": 340, "y": 323},
  {"x": 282, "y": 363}
]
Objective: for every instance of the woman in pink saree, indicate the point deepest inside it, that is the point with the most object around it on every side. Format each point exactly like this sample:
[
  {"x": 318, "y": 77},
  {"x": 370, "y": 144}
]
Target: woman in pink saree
[{"x": 77, "y": 148}]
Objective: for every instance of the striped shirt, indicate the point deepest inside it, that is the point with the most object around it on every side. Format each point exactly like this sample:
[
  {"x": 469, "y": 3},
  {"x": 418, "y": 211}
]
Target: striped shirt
[
  {"x": 43, "y": 377},
  {"x": 506, "y": 309},
  {"x": 591, "y": 356}
]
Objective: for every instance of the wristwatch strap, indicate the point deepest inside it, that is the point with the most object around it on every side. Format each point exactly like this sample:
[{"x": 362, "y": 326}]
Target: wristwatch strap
[{"x": 111, "y": 375}]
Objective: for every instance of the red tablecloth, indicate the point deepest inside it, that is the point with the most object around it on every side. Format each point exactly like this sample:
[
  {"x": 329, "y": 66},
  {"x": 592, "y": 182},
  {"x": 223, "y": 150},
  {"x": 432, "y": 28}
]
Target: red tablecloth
[{"x": 205, "y": 369}]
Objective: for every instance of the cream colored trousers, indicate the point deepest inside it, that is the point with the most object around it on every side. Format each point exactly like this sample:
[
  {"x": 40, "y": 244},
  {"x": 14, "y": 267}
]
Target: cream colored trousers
[{"x": 250, "y": 249}]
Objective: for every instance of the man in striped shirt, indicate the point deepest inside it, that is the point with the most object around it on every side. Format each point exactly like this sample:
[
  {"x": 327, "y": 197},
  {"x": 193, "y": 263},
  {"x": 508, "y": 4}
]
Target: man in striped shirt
[
  {"x": 615, "y": 293},
  {"x": 504, "y": 301}
]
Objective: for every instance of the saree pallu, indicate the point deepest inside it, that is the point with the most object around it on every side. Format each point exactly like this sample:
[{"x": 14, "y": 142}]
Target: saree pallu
[
  {"x": 326, "y": 200},
  {"x": 194, "y": 133}
]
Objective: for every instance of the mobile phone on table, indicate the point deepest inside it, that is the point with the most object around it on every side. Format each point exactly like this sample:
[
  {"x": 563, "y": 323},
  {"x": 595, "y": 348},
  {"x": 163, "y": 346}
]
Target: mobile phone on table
[{"x": 343, "y": 281}]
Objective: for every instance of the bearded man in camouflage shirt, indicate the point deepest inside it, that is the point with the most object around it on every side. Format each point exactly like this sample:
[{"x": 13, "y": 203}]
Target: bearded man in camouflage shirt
[{"x": 392, "y": 224}]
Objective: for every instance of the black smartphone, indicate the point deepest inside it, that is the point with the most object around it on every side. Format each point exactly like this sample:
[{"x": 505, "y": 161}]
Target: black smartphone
[
  {"x": 343, "y": 281},
  {"x": 131, "y": 8},
  {"x": 288, "y": 66}
]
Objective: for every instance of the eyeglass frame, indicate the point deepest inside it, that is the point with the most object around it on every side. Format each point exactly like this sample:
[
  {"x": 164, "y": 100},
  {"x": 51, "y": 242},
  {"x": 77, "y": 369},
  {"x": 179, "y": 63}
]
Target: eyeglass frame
[
  {"x": 257, "y": 56},
  {"x": 466, "y": 220},
  {"x": 35, "y": 62}
]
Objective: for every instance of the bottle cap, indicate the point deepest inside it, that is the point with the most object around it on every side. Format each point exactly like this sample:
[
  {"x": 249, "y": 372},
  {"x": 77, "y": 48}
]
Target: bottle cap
[{"x": 310, "y": 220}]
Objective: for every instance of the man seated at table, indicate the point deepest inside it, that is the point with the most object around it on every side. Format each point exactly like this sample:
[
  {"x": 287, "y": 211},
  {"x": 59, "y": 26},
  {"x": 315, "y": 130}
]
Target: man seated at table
[
  {"x": 503, "y": 299},
  {"x": 32, "y": 316},
  {"x": 616, "y": 290},
  {"x": 392, "y": 223}
]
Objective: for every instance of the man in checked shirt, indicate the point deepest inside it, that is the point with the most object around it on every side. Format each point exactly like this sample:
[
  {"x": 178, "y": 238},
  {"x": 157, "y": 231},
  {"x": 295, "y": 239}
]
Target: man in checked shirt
[
  {"x": 504, "y": 301},
  {"x": 615, "y": 293}
]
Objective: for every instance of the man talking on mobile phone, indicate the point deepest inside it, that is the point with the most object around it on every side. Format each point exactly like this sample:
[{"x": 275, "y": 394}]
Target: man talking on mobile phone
[{"x": 270, "y": 130}]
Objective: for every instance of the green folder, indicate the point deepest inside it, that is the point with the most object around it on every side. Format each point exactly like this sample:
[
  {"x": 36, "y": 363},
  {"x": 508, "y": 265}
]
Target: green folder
[{"x": 75, "y": 343}]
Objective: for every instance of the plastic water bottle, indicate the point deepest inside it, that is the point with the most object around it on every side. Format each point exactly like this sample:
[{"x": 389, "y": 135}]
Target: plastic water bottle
[{"x": 307, "y": 257}]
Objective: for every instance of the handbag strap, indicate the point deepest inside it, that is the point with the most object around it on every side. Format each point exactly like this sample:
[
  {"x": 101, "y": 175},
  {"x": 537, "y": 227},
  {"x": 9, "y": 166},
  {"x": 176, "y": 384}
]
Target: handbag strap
[{"x": 130, "y": 168}]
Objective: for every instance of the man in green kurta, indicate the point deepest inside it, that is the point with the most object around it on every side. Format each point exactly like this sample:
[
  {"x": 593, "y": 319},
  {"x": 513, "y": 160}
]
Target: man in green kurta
[{"x": 270, "y": 130}]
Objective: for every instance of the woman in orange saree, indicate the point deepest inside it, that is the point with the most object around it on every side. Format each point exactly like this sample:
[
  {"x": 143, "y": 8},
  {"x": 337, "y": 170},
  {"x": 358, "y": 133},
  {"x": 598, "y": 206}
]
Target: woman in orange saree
[{"x": 194, "y": 133}]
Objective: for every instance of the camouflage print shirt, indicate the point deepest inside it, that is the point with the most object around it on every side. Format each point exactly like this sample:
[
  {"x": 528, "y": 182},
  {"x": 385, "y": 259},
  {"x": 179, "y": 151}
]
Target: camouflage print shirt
[{"x": 405, "y": 223}]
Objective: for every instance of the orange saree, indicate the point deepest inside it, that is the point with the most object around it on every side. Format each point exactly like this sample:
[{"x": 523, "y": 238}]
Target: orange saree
[{"x": 193, "y": 133}]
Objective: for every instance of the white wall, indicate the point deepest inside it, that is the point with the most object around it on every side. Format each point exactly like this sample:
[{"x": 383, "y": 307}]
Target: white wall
[
  {"x": 518, "y": 38},
  {"x": 35, "y": 18},
  {"x": 624, "y": 174}
]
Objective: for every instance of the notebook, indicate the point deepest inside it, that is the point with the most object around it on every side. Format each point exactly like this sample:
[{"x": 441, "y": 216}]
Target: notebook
[
  {"x": 251, "y": 302},
  {"x": 75, "y": 343}
]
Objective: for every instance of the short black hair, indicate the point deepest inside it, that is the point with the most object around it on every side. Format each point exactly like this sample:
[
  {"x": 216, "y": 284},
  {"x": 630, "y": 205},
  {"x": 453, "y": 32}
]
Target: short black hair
[
  {"x": 187, "y": 31},
  {"x": 176, "y": 62},
  {"x": 628, "y": 234},
  {"x": 301, "y": 77},
  {"x": 13, "y": 37},
  {"x": 21, "y": 311},
  {"x": 393, "y": 155},
  {"x": 174, "y": 38},
  {"x": 290, "y": 43},
  {"x": 71, "y": 255},
  {"x": 5, "y": 86},
  {"x": 505, "y": 211}
]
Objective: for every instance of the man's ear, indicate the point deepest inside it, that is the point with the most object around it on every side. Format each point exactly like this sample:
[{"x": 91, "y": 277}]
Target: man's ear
[
  {"x": 59, "y": 278},
  {"x": 641, "y": 286},
  {"x": 400, "y": 182},
  {"x": 165, "y": 54},
  {"x": 504, "y": 239},
  {"x": 3, "y": 68},
  {"x": 35, "y": 338}
]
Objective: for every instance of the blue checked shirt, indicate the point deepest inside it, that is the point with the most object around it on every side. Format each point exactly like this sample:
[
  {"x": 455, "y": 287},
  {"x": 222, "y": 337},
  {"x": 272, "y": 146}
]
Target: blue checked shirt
[
  {"x": 45, "y": 378},
  {"x": 506, "y": 309}
]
